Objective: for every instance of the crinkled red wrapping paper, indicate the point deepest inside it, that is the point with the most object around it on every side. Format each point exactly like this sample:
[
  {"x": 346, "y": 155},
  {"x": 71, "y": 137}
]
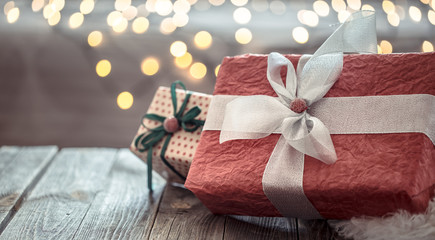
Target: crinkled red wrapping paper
[{"x": 375, "y": 173}]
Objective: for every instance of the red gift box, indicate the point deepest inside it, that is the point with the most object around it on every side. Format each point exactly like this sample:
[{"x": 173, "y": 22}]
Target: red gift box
[{"x": 375, "y": 174}]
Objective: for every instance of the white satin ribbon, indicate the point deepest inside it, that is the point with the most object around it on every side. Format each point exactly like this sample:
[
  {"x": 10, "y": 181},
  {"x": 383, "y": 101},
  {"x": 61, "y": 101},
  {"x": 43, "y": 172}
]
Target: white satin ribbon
[{"x": 252, "y": 117}]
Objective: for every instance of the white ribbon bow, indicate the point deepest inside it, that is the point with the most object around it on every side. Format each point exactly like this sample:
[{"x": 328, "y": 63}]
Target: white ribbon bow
[{"x": 253, "y": 117}]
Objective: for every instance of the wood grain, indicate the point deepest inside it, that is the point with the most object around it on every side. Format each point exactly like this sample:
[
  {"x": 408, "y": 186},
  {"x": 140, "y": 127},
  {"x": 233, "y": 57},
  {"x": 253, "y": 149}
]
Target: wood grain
[
  {"x": 20, "y": 170},
  {"x": 316, "y": 229},
  {"x": 244, "y": 227},
  {"x": 61, "y": 199},
  {"x": 182, "y": 216},
  {"x": 124, "y": 209}
]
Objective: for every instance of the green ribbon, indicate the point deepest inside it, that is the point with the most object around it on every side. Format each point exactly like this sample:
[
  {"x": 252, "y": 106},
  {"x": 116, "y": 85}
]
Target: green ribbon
[{"x": 146, "y": 141}]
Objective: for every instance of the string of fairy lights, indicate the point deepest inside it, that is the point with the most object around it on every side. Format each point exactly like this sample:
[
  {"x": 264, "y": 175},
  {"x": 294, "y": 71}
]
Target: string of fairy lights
[{"x": 137, "y": 17}]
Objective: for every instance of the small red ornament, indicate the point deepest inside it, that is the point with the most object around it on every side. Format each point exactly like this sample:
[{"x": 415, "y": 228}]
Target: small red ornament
[
  {"x": 171, "y": 124},
  {"x": 298, "y": 105}
]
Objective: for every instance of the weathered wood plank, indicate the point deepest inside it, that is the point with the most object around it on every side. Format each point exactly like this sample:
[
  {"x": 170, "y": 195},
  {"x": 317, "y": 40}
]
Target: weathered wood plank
[
  {"x": 124, "y": 209},
  {"x": 316, "y": 230},
  {"x": 61, "y": 199},
  {"x": 244, "y": 227},
  {"x": 20, "y": 170},
  {"x": 182, "y": 216}
]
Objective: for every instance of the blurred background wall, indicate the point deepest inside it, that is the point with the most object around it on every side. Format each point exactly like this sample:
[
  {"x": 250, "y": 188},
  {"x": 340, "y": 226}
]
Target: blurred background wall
[{"x": 82, "y": 73}]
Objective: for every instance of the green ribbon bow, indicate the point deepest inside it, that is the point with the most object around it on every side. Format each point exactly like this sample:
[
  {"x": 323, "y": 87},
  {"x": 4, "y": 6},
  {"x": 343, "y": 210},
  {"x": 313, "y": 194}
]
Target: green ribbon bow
[{"x": 146, "y": 141}]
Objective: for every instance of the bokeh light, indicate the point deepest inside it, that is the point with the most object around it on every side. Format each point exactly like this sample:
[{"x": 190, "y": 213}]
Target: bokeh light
[
  {"x": 113, "y": 18},
  {"x": 239, "y": 3},
  {"x": 181, "y": 6},
  {"x": 386, "y": 46},
  {"x": 343, "y": 15},
  {"x": 95, "y": 38},
  {"x": 216, "y": 70},
  {"x": 388, "y": 7},
  {"x": 57, "y": 4},
  {"x": 427, "y": 47},
  {"x": 338, "y": 5},
  {"x": 163, "y": 7},
  {"x": 242, "y": 15},
  {"x": 121, "y": 5},
  {"x": 87, "y": 6},
  {"x": 103, "y": 68},
  {"x": 13, "y": 15},
  {"x": 150, "y": 66},
  {"x": 178, "y": 48},
  {"x": 37, "y": 5},
  {"x": 8, "y": 6},
  {"x": 393, "y": 19},
  {"x": 321, "y": 8},
  {"x": 183, "y": 61},
  {"x": 259, "y": 5},
  {"x": 76, "y": 20},
  {"x": 216, "y": 2},
  {"x": 415, "y": 13},
  {"x": 124, "y": 100},
  {"x": 309, "y": 18},
  {"x": 277, "y": 7},
  {"x": 203, "y": 40},
  {"x": 167, "y": 26},
  {"x": 431, "y": 16},
  {"x": 180, "y": 19},
  {"x": 300, "y": 35},
  {"x": 354, "y": 4},
  {"x": 243, "y": 36},
  {"x": 140, "y": 25},
  {"x": 198, "y": 70},
  {"x": 368, "y": 7},
  {"x": 54, "y": 19},
  {"x": 120, "y": 26},
  {"x": 130, "y": 13}
]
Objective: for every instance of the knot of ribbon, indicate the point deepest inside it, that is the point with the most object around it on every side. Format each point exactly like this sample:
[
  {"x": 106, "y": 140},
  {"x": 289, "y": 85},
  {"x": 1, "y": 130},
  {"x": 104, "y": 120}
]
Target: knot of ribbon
[
  {"x": 187, "y": 122},
  {"x": 252, "y": 117}
]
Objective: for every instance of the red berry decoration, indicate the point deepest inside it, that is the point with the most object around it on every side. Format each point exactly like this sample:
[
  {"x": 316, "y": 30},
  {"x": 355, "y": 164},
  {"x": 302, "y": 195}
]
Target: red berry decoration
[
  {"x": 171, "y": 124},
  {"x": 298, "y": 105}
]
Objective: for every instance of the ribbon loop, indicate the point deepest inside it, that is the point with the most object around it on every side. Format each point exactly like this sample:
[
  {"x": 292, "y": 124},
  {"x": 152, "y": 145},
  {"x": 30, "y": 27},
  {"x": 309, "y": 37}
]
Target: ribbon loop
[{"x": 251, "y": 117}]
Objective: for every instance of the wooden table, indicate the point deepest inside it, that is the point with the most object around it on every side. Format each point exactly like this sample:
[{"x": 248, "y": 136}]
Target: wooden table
[{"x": 100, "y": 193}]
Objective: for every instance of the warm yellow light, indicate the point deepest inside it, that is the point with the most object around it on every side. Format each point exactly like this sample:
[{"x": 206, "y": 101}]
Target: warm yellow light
[
  {"x": 427, "y": 47},
  {"x": 120, "y": 26},
  {"x": 415, "y": 13},
  {"x": 300, "y": 35},
  {"x": 260, "y": 5},
  {"x": 338, "y": 5},
  {"x": 354, "y": 4},
  {"x": 167, "y": 26},
  {"x": 321, "y": 8},
  {"x": 95, "y": 38},
  {"x": 8, "y": 6},
  {"x": 76, "y": 20},
  {"x": 216, "y": 70},
  {"x": 393, "y": 19},
  {"x": 425, "y": 1},
  {"x": 203, "y": 40},
  {"x": 239, "y": 3},
  {"x": 181, "y": 6},
  {"x": 216, "y": 2},
  {"x": 277, "y": 7},
  {"x": 386, "y": 46},
  {"x": 150, "y": 66},
  {"x": 243, "y": 36},
  {"x": 183, "y": 61},
  {"x": 343, "y": 15},
  {"x": 367, "y": 7},
  {"x": 150, "y": 5},
  {"x": 54, "y": 19},
  {"x": 37, "y": 5},
  {"x": 13, "y": 15},
  {"x": 113, "y": 18},
  {"x": 431, "y": 16},
  {"x": 178, "y": 48},
  {"x": 125, "y": 100},
  {"x": 242, "y": 15},
  {"x": 180, "y": 19},
  {"x": 142, "y": 10},
  {"x": 388, "y": 6},
  {"x": 140, "y": 25},
  {"x": 87, "y": 6},
  {"x": 103, "y": 68},
  {"x": 130, "y": 13},
  {"x": 48, "y": 11},
  {"x": 379, "y": 49},
  {"x": 121, "y": 5},
  {"x": 163, "y": 7},
  {"x": 310, "y": 18},
  {"x": 57, "y": 4},
  {"x": 192, "y": 2},
  {"x": 198, "y": 70}
]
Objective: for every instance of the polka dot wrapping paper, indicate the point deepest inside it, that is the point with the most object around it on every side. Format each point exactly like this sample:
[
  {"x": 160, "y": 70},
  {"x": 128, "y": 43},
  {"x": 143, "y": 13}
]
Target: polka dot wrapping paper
[{"x": 182, "y": 145}]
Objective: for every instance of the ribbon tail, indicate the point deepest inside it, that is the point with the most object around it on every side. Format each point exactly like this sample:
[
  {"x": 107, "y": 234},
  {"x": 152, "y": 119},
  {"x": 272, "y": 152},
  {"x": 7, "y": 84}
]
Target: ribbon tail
[
  {"x": 317, "y": 144},
  {"x": 252, "y": 117}
]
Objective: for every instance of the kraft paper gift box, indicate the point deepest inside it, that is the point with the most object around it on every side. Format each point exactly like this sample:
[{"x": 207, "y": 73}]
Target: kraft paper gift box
[
  {"x": 182, "y": 144},
  {"x": 374, "y": 174}
]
